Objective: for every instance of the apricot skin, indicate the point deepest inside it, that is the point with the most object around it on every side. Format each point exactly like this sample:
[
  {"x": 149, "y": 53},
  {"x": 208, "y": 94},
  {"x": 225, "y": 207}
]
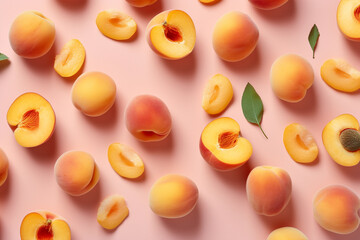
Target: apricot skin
[
  {"x": 93, "y": 93},
  {"x": 31, "y": 34},
  {"x": 291, "y": 76},
  {"x": 268, "y": 190},
  {"x": 173, "y": 196},
  {"x": 267, "y": 4},
  {"x": 76, "y": 172},
  {"x": 235, "y": 36},
  {"x": 4, "y": 167},
  {"x": 337, "y": 208},
  {"x": 148, "y": 118},
  {"x": 141, "y": 3},
  {"x": 287, "y": 233}
]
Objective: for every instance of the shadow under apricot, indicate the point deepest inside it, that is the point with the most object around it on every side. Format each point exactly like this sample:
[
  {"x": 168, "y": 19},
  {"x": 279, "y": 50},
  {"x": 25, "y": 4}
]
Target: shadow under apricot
[
  {"x": 90, "y": 200},
  {"x": 166, "y": 145},
  {"x": 73, "y": 5},
  {"x": 282, "y": 14},
  {"x": 46, "y": 152},
  {"x": 149, "y": 12},
  {"x": 44, "y": 64}
]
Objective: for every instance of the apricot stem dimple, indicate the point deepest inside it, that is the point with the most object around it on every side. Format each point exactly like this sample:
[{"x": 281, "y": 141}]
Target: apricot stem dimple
[
  {"x": 117, "y": 20},
  {"x": 214, "y": 94},
  {"x": 301, "y": 142},
  {"x": 357, "y": 13},
  {"x": 228, "y": 140},
  {"x": 342, "y": 73},
  {"x": 126, "y": 160},
  {"x": 30, "y": 120},
  {"x": 114, "y": 208},
  {"x": 172, "y": 33},
  {"x": 350, "y": 139},
  {"x": 45, "y": 231}
]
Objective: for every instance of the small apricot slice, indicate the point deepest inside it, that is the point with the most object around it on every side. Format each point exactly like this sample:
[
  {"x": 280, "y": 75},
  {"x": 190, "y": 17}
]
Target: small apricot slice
[
  {"x": 340, "y": 75},
  {"x": 125, "y": 161},
  {"x": 217, "y": 94},
  {"x": 112, "y": 212},
  {"x": 116, "y": 25},
  {"x": 334, "y": 144},
  {"x": 300, "y": 144},
  {"x": 70, "y": 59}
]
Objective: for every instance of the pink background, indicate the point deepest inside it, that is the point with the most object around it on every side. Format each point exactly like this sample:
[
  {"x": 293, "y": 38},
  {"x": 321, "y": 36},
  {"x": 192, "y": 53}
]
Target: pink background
[{"x": 223, "y": 211}]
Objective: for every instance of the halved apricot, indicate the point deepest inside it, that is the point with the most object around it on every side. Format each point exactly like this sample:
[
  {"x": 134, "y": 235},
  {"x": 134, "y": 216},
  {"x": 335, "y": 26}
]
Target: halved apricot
[{"x": 70, "y": 59}]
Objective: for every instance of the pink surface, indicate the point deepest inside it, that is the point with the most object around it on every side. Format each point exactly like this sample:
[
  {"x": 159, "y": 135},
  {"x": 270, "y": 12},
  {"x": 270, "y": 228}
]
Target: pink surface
[{"x": 223, "y": 211}]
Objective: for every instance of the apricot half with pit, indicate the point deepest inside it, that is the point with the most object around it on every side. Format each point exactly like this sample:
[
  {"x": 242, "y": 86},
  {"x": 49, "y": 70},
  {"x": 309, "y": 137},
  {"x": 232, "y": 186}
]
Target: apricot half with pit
[
  {"x": 222, "y": 146},
  {"x": 348, "y": 18},
  {"x": 44, "y": 225},
  {"x": 171, "y": 34},
  {"x": 32, "y": 119},
  {"x": 341, "y": 138}
]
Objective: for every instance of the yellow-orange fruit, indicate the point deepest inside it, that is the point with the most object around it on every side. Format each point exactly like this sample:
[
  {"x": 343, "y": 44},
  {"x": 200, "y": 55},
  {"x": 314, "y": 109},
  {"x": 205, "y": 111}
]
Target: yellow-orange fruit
[
  {"x": 287, "y": 233},
  {"x": 93, "y": 93},
  {"x": 148, "y": 119},
  {"x": 141, "y": 3},
  {"x": 348, "y": 19},
  {"x": 4, "y": 167},
  {"x": 173, "y": 196},
  {"x": 291, "y": 76},
  {"x": 217, "y": 94},
  {"x": 31, "y": 34},
  {"x": 337, "y": 208},
  {"x": 300, "y": 144},
  {"x": 235, "y": 36},
  {"x": 70, "y": 59},
  {"x": 76, "y": 172},
  {"x": 268, "y": 190},
  {"x": 268, "y": 4},
  {"x": 112, "y": 212},
  {"x": 116, "y": 25}
]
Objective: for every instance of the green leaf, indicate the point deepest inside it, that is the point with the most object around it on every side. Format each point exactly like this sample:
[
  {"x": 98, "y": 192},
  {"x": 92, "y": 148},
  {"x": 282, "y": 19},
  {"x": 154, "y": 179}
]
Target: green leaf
[
  {"x": 313, "y": 38},
  {"x": 3, "y": 57},
  {"x": 252, "y": 106}
]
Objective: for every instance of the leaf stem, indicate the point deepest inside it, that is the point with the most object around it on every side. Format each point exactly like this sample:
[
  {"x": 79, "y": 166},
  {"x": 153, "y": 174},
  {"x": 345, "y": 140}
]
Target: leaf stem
[{"x": 262, "y": 131}]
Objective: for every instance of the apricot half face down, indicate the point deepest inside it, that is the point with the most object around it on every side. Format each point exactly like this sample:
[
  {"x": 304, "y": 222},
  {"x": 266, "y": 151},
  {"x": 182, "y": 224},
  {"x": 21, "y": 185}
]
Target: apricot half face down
[
  {"x": 112, "y": 212},
  {"x": 341, "y": 139},
  {"x": 337, "y": 209},
  {"x": 171, "y": 34},
  {"x": 235, "y": 36},
  {"x": 291, "y": 76},
  {"x": 125, "y": 161},
  {"x": 116, "y": 25},
  {"x": 76, "y": 172},
  {"x": 44, "y": 225},
  {"x": 93, "y": 93},
  {"x": 267, "y": 4},
  {"x": 70, "y": 59},
  {"x": 173, "y": 196},
  {"x": 222, "y": 146},
  {"x": 348, "y": 18},
  {"x": 268, "y": 190},
  {"x": 287, "y": 233},
  {"x": 32, "y": 119},
  {"x": 4, "y": 167},
  {"x": 217, "y": 94},
  {"x": 31, "y": 34},
  {"x": 148, "y": 119},
  {"x": 340, "y": 75},
  {"x": 300, "y": 144}
]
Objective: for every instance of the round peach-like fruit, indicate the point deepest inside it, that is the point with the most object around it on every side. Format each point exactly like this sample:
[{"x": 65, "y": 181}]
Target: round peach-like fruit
[
  {"x": 287, "y": 233},
  {"x": 42, "y": 225},
  {"x": 173, "y": 196},
  {"x": 31, "y": 34},
  {"x": 93, "y": 93},
  {"x": 171, "y": 34},
  {"x": 337, "y": 209},
  {"x": 267, "y": 4},
  {"x": 4, "y": 167},
  {"x": 141, "y": 3},
  {"x": 291, "y": 76},
  {"x": 76, "y": 172},
  {"x": 268, "y": 190},
  {"x": 235, "y": 36},
  {"x": 148, "y": 119}
]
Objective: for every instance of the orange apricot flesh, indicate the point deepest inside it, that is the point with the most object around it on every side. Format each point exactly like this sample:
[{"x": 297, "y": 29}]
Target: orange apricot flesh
[
  {"x": 112, "y": 212},
  {"x": 70, "y": 59}
]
